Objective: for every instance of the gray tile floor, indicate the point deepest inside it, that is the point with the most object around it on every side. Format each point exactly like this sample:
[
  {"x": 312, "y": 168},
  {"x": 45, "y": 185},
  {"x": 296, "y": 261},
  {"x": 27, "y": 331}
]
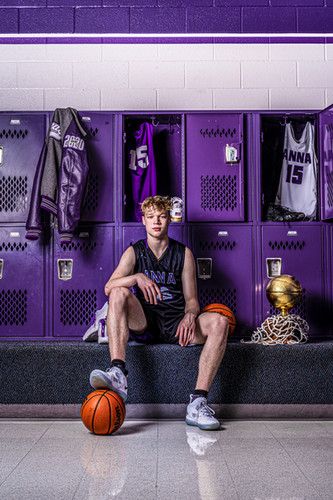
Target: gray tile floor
[{"x": 60, "y": 459}]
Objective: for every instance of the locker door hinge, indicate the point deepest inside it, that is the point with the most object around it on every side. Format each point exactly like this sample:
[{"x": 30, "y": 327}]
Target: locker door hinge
[
  {"x": 124, "y": 137},
  {"x": 262, "y": 137}
]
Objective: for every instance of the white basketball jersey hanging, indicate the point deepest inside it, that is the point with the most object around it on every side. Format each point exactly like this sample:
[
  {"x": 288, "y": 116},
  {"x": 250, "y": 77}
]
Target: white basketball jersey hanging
[{"x": 298, "y": 181}]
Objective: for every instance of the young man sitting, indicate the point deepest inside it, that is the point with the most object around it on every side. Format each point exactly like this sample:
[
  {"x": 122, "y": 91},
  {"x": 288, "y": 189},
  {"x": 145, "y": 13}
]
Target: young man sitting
[{"x": 165, "y": 302}]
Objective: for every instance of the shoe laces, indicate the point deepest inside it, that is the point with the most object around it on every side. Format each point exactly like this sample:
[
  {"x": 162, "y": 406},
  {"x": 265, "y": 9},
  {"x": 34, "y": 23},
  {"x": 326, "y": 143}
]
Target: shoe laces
[{"x": 206, "y": 410}]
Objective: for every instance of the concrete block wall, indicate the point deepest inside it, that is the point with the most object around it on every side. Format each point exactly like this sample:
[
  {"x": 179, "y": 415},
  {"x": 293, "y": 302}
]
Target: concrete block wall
[{"x": 43, "y": 76}]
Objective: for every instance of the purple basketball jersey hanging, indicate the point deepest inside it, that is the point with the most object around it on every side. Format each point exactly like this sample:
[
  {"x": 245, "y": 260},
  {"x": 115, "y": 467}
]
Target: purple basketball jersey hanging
[{"x": 142, "y": 169}]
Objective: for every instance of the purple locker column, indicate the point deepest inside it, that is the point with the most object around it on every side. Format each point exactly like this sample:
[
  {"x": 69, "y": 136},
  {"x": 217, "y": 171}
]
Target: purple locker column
[
  {"x": 232, "y": 281},
  {"x": 214, "y": 186},
  {"x": 21, "y": 284},
  {"x": 131, "y": 234},
  {"x": 326, "y": 158},
  {"x": 21, "y": 141},
  {"x": 84, "y": 265},
  {"x": 99, "y": 200},
  {"x": 300, "y": 248}
]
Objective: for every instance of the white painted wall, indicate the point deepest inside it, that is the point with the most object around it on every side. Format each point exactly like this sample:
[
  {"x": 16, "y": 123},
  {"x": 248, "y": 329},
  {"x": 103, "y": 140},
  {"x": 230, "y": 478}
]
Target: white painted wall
[{"x": 166, "y": 76}]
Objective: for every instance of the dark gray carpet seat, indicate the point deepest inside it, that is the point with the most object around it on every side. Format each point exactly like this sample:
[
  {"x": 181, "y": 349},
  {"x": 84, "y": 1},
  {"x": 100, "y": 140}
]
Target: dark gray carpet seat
[{"x": 58, "y": 373}]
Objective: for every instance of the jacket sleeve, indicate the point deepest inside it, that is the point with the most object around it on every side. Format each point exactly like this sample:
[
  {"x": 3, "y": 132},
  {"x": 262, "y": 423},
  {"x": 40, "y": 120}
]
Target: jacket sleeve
[
  {"x": 52, "y": 163},
  {"x": 72, "y": 179},
  {"x": 34, "y": 224}
]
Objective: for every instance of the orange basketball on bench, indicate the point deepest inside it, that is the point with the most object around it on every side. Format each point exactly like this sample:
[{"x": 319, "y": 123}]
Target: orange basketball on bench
[
  {"x": 225, "y": 311},
  {"x": 103, "y": 411}
]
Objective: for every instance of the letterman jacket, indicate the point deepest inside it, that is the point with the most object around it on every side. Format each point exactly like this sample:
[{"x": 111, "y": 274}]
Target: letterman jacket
[{"x": 61, "y": 175}]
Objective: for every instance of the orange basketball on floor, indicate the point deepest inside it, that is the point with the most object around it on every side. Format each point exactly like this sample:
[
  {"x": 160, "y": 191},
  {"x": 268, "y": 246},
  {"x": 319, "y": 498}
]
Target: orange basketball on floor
[
  {"x": 103, "y": 411},
  {"x": 225, "y": 311}
]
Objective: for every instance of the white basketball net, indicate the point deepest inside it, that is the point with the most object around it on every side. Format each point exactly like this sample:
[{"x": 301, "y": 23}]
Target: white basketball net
[{"x": 290, "y": 329}]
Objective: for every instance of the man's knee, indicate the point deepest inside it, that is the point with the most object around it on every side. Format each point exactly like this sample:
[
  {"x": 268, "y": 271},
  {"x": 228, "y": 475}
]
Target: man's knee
[
  {"x": 219, "y": 326},
  {"x": 119, "y": 296}
]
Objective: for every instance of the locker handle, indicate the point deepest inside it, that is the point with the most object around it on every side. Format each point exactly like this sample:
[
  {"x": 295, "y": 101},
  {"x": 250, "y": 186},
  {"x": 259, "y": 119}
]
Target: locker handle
[
  {"x": 1, "y": 155},
  {"x": 2, "y": 265},
  {"x": 292, "y": 233},
  {"x": 223, "y": 234},
  {"x": 65, "y": 269}
]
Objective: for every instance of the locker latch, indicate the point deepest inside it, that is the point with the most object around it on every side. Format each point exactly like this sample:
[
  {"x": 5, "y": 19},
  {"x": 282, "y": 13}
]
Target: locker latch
[
  {"x": 273, "y": 267},
  {"x": 204, "y": 267},
  {"x": 1, "y": 155},
  {"x": 65, "y": 269},
  {"x": 232, "y": 153},
  {"x": 2, "y": 264}
]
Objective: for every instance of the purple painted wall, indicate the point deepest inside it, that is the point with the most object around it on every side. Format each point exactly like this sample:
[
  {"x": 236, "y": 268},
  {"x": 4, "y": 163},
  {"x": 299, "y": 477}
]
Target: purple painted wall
[{"x": 166, "y": 16}]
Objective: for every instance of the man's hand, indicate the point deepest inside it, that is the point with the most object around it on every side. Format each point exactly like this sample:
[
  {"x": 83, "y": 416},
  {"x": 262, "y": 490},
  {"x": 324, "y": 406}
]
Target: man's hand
[
  {"x": 149, "y": 289},
  {"x": 107, "y": 288},
  {"x": 186, "y": 329}
]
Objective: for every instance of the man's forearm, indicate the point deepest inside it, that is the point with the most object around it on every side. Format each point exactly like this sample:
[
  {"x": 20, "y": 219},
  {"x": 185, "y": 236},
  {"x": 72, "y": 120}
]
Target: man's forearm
[
  {"x": 126, "y": 281},
  {"x": 192, "y": 306}
]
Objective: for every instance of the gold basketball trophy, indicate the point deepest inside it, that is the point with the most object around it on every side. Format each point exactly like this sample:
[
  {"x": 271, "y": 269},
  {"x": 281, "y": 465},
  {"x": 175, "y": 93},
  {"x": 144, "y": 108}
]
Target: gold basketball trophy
[{"x": 283, "y": 293}]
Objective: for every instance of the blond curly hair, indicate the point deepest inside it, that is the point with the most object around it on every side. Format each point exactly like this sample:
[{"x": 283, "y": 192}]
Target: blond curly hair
[{"x": 158, "y": 202}]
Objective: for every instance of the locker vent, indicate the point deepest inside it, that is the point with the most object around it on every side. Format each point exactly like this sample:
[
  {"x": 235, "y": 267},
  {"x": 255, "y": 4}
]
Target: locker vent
[
  {"x": 217, "y": 132},
  {"x": 13, "y": 247},
  {"x": 13, "y": 134},
  {"x": 227, "y": 296},
  {"x": 216, "y": 245},
  {"x": 77, "y": 307},
  {"x": 93, "y": 131},
  {"x": 300, "y": 308},
  {"x": 330, "y": 189},
  {"x": 13, "y": 194},
  {"x": 286, "y": 245},
  {"x": 82, "y": 245},
  {"x": 13, "y": 307},
  {"x": 92, "y": 193},
  {"x": 219, "y": 192}
]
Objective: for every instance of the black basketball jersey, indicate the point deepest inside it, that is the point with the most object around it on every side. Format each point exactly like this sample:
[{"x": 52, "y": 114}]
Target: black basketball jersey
[{"x": 166, "y": 272}]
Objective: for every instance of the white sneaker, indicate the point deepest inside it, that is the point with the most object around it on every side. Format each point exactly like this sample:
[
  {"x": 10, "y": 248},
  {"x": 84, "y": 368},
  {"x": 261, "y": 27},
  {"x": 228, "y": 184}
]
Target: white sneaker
[
  {"x": 113, "y": 378},
  {"x": 91, "y": 334},
  {"x": 201, "y": 415}
]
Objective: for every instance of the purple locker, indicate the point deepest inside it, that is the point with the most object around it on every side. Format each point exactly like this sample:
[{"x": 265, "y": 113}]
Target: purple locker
[
  {"x": 131, "y": 234},
  {"x": 214, "y": 171},
  {"x": 21, "y": 284},
  {"x": 99, "y": 199},
  {"x": 168, "y": 155},
  {"x": 231, "y": 282},
  {"x": 21, "y": 141},
  {"x": 326, "y": 156},
  {"x": 80, "y": 270},
  {"x": 300, "y": 249}
]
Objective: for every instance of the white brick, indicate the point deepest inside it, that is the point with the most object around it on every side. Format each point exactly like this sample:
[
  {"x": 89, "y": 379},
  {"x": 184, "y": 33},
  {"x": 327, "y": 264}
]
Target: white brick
[
  {"x": 297, "y": 52},
  {"x": 315, "y": 74},
  {"x": 241, "y": 99},
  {"x": 212, "y": 74},
  {"x": 83, "y": 99},
  {"x": 185, "y": 99},
  {"x": 129, "y": 52},
  {"x": 329, "y": 51},
  {"x": 44, "y": 75},
  {"x": 8, "y": 75},
  {"x": 104, "y": 75},
  {"x": 186, "y": 52},
  {"x": 241, "y": 52},
  {"x": 127, "y": 99},
  {"x": 74, "y": 52},
  {"x": 152, "y": 75},
  {"x": 329, "y": 100},
  {"x": 21, "y": 100},
  {"x": 268, "y": 74},
  {"x": 297, "y": 98},
  {"x": 22, "y": 52}
]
